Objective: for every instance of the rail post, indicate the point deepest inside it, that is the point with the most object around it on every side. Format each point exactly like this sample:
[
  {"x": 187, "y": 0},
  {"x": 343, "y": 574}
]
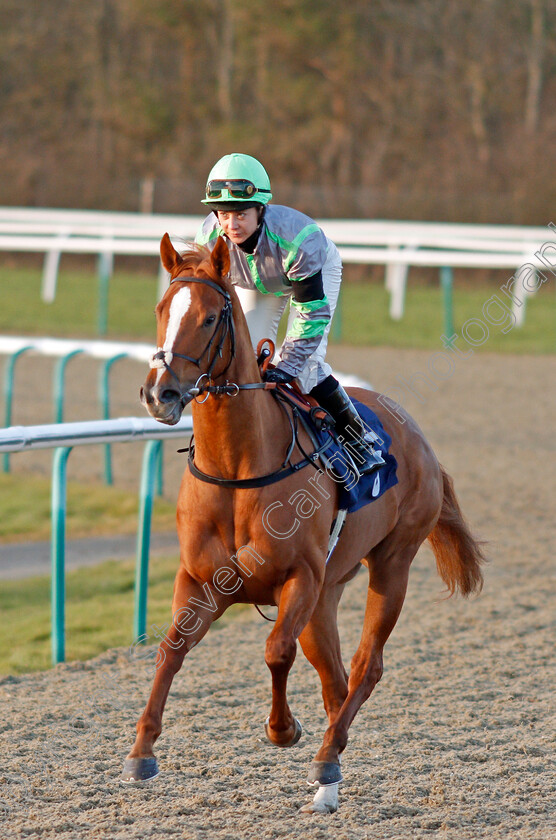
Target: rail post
[
  {"x": 447, "y": 283},
  {"x": 104, "y": 397},
  {"x": 59, "y": 384},
  {"x": 58, "y": 553},
  {"x": 50, "y": 274},
  {"x": 150, "y": 458},
  {"x": 105, "y": 270},
  {"x": 160, "y": 471},
  {"x": 9, "y": 394}
]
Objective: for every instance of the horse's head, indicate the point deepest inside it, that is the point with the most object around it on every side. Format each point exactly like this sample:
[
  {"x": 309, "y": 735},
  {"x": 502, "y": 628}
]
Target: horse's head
[{"x": 195, "y": 329}]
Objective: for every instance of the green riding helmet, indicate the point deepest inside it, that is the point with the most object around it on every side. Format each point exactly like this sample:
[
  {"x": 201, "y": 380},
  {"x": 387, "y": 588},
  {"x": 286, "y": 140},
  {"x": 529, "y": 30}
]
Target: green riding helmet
[{"x": 237, "y": 182}]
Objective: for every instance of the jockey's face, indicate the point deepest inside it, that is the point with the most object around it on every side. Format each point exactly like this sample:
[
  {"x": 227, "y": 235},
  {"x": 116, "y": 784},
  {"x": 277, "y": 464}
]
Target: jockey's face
[{"x": 238, "y": 225}]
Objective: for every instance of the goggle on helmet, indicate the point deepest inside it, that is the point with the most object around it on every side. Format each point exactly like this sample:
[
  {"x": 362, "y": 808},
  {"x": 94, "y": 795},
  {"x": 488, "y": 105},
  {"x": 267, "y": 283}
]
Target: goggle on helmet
[{"x": 238, "y": 180}]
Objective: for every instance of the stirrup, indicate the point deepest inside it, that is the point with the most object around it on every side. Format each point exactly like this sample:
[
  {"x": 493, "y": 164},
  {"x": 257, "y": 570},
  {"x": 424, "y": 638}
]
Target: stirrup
[{"x": 366, "y": 457}]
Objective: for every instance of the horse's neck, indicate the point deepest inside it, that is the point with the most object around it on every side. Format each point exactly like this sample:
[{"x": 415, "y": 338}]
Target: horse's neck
[{"x": 235, "y": 436}]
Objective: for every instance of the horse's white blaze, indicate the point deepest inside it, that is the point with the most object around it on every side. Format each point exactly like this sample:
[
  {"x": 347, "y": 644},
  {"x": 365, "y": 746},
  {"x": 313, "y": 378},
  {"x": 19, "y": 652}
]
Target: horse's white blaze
[
  {"x": 179, "y": 306},
  {"x": 325, "y": 800},
  {"x": 160, "y": 365}
]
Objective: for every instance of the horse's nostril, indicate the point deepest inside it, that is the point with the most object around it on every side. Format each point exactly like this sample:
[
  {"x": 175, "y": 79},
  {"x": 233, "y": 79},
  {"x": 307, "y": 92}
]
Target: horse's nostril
[
  {"x": 146, "y": 396},
  {"x": 169, "y": 395}
]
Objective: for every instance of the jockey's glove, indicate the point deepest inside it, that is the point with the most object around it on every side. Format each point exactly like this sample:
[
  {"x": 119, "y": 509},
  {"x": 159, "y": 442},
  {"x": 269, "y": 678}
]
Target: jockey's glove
[{"x": 279, "y": 376}]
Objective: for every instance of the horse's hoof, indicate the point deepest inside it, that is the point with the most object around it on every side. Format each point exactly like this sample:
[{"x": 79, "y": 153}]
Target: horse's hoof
[
  {"x": 139, "y": 770},
  {"x": 324, "y": 802},
  {"x": 296, "y": 736},
  {"x": 324, "y": 773}
]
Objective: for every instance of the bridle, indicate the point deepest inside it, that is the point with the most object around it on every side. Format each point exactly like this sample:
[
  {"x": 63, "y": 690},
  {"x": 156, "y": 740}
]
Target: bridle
[{"x": 224, "y": 328}]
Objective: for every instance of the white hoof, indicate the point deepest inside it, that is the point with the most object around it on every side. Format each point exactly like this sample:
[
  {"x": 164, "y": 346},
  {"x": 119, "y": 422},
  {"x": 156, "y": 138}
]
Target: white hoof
[{"x": 325, "y": 801}]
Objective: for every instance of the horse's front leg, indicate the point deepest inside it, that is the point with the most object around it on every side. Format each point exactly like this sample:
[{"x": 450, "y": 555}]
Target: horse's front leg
[
  {"x": 297, "y": 602},
  {"x": 194, "y": 609}
]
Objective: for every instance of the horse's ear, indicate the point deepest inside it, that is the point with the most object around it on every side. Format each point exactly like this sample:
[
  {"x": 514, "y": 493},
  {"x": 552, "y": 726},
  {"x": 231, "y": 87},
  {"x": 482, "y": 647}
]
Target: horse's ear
[
  {"x": 168, "y": 254},
  {"x": 220, "y": 257}
]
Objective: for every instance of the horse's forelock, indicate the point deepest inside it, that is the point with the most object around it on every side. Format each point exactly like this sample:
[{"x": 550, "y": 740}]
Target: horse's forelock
[
  {"x": 197, "y": 260},
  {"x": 190, "y": 260}
]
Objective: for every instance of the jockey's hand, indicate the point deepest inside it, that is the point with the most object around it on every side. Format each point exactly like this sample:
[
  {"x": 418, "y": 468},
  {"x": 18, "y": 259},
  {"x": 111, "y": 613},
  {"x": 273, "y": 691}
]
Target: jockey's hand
[{"x": 279, "y": 376}]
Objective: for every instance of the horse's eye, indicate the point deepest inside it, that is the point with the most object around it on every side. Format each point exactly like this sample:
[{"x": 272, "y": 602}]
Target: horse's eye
[{"x": 210, "y": 320}]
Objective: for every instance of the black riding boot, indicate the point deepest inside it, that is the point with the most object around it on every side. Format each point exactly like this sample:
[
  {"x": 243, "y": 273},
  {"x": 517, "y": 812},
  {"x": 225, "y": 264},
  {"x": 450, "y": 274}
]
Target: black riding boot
[{"x": 349, "y": 425}]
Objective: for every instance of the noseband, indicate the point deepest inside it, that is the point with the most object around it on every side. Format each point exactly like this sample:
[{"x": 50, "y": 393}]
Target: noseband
[{"x": 223, "y": 329}]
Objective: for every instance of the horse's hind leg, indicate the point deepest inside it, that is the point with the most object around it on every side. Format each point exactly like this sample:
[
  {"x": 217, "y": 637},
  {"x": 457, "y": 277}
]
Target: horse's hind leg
[
  {"x": 321, "y": 645},
  {"x": 297, "y": 602},
  {"x": 388, "y": 575}
]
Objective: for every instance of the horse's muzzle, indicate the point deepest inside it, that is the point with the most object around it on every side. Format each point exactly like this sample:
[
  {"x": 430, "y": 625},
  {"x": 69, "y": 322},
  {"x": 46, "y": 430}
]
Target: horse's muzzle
[{"x": 165, "y": 404}]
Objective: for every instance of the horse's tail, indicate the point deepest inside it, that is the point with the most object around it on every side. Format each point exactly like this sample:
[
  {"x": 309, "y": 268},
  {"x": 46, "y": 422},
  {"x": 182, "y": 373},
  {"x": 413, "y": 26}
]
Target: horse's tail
[{"x": 459, "y": 556}]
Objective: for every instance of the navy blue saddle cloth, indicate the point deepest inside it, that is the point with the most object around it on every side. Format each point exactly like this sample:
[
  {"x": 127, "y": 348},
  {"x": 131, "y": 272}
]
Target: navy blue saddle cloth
[{"x": 355, "y": 492}]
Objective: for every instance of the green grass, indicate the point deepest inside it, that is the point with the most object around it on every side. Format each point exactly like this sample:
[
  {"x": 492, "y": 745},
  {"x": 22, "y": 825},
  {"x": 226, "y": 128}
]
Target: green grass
[
  {"x": 365, "y": 319},
  {"x": 92, "y": 509},
  {"x": 363, "y": 314},
  {"x": 74, "y": 311},
  {"x": 99, "y": 613}
]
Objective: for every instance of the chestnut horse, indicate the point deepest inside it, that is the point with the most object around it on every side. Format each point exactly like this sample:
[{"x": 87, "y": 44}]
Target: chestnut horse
[{"x": 242, "y": 542}]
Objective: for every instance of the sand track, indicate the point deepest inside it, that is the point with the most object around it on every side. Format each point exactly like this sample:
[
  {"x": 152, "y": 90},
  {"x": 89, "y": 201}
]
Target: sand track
[{"x": 458, "y": 738}]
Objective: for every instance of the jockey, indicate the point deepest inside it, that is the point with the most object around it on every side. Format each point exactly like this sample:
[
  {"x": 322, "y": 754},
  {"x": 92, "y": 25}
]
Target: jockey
[{"x": 278, "y": 255}]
